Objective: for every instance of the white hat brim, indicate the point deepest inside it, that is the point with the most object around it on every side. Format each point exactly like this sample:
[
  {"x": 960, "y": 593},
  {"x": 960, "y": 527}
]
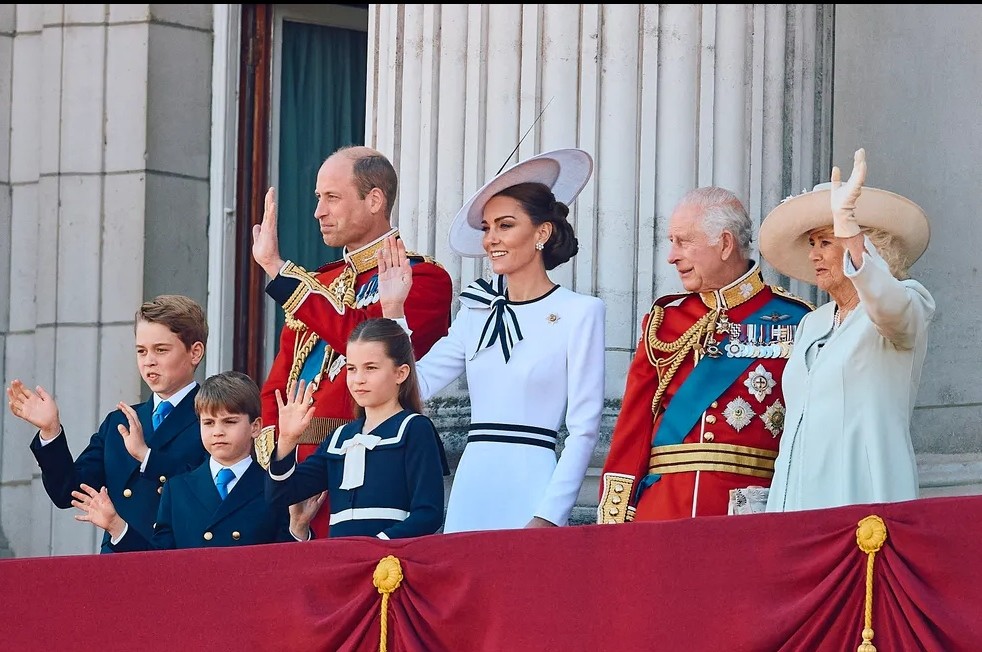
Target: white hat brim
[
  {"x": 784, "y": 232},
  {"x": 564, "y": 171}
]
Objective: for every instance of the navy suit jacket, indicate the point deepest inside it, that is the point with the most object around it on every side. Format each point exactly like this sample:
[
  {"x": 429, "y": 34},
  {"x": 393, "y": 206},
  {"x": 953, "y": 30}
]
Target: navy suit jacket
[
  {"x": 174, "y": 448},
  {"x": 193, "y": 515}
]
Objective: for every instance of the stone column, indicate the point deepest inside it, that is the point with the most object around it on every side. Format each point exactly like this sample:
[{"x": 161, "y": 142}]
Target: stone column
[{"x": 108, "y": 200}]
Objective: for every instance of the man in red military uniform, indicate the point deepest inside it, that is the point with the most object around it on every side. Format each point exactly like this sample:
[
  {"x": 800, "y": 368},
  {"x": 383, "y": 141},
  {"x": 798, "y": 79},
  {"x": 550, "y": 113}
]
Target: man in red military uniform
[
  {"x": 355, "y": 190},
  {"x": 703, "y": 410}
]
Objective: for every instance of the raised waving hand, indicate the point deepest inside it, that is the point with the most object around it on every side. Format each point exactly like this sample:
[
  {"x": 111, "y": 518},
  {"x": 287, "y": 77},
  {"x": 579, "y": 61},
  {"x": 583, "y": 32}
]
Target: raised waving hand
[{"x": 395, "y": 277}]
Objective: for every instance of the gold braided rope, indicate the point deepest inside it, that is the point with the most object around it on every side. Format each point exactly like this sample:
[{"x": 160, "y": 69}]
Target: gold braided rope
[
  {"x": 301, "y": 349},
  {"x": 386, "y": 578},
  {"x": 343, "y": 287},
  {"x": 679, "y": 349},
  {"x": 870, "y": 536}
]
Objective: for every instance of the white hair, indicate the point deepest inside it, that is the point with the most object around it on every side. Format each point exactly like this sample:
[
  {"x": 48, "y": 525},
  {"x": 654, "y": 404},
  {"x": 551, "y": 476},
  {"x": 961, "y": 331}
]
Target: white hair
[{"x": 722, "y": 211}]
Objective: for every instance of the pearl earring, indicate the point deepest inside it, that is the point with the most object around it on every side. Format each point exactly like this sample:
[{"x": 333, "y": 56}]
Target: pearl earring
[{"x": 539, "y": 246}]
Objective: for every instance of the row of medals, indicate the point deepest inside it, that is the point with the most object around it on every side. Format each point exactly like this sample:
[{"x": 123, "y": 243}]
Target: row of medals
[{"x": 752, "y": 340}]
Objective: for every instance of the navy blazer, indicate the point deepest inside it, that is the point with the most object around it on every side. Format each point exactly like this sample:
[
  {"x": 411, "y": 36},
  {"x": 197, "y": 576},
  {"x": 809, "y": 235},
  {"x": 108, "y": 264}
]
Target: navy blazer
[
  {"x": 174, "y": 448},
  {"x": 193, "y": 515},
  {"x": 402, "y": 494}
]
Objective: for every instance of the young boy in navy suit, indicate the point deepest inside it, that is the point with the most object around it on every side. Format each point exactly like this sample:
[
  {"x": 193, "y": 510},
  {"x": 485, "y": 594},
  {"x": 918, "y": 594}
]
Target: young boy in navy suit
[
  {"x": 137, "y": 448},
  {"x": 220, "y": 503}
]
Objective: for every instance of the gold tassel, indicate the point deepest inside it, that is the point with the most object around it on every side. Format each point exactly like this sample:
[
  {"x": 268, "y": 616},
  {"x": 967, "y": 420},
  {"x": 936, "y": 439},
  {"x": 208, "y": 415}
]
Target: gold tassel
[
  {"x": 870, "y": 536},
  {"x": 387, "y": 578}
]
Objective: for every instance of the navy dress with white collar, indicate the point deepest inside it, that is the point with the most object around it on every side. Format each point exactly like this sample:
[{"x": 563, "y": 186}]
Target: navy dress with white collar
[{"x": 387, "y": 483}]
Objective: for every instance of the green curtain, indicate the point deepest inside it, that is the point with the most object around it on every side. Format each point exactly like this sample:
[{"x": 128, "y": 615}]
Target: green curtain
[{"x": 322, "y": 107}]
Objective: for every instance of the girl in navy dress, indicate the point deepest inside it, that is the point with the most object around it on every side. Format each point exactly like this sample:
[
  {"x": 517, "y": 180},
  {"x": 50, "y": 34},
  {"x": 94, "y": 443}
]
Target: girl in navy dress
[{"x": 383, "y": 471}]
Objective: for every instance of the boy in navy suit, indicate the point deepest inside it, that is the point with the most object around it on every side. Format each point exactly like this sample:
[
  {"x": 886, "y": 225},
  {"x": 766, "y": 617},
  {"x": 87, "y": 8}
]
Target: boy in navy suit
[
  {"x": 221, "y": 502},
  {"x": 137, "y": 448}
]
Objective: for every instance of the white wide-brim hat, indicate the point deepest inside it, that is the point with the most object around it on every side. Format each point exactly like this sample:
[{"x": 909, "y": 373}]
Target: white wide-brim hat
[
  {"x": 784, "y": 232},
  {"x": 565, "y": 171}
]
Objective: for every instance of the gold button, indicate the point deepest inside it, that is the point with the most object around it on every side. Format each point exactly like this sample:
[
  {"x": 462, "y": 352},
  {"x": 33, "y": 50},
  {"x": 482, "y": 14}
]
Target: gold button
[
  {"x": 127, "y": 493},
  {"x": 708, "y": 436},
  {"x": 163, "y": 479},
  {"x": 613, "y": 511},
  {"x": 714, "y": 404},
  {"x": 618, "y": 488},
  {"x": 236, "y": 536},
  {"x": 710, "y": 419},
  {"x": 160, "y": 490},
  {"x": 616, "y": 500},
  {"x": 208, "y": 536}
]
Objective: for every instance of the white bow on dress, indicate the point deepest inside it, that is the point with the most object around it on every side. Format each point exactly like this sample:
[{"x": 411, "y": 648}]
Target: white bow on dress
[{"x": 354, "y": 459}]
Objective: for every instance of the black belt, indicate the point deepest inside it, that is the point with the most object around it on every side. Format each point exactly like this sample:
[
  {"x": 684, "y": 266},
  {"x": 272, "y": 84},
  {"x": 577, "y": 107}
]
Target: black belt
[{"x": 508, "y": 433}]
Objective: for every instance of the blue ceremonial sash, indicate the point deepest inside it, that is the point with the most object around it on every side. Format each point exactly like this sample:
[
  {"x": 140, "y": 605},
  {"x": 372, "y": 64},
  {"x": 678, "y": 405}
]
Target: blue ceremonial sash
[
  {"x": 707, "y": 381},
  {"x": 312, "y": 365}
]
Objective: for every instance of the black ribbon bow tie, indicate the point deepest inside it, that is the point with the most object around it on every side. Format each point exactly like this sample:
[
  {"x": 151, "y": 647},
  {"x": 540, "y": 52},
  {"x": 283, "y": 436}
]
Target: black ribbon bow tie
[{"x": 502, "y": 324}]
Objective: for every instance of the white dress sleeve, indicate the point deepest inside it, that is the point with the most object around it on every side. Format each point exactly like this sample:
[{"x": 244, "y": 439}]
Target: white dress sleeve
[
  {"x": 584, "y": 408},
  {"x": 900, "y": 310},
  {"x": 445, "y": 360}
]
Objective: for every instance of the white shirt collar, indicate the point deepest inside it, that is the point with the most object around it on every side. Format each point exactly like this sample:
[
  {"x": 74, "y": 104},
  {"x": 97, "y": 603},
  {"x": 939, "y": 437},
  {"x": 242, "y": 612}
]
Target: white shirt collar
[
  {"x": 239, "y": 468},
  {"x": 177, "y": 396}
]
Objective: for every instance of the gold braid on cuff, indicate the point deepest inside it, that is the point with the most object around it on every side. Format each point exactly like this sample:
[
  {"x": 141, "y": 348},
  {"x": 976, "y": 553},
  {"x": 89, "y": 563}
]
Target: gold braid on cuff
[
  {"x": 613, "y": 507},
  {"x": 265, "y": 444},
  {"x": 320, "y": 428}
]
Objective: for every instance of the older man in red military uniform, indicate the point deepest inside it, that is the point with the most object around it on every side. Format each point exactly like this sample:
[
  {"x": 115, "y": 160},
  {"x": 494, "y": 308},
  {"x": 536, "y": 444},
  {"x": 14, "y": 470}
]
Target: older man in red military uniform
[
  {"x": 703, "y": 410},
  {"x": 355, "y": 190}
]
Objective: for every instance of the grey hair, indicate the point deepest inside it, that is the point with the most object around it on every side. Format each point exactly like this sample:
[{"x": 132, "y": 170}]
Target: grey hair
[{"x": 722, "y": 211}]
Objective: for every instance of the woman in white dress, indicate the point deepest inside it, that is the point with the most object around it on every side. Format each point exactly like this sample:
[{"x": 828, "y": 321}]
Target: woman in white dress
[
  {"x": 533, "y": 351},
  {"x": 853, "y": 375}
]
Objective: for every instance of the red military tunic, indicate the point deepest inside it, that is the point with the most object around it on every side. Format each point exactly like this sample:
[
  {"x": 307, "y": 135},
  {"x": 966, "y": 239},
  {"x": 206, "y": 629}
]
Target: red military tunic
[
  {"x": 738, "y": 418},
  {"x": 322, "y": 309}
]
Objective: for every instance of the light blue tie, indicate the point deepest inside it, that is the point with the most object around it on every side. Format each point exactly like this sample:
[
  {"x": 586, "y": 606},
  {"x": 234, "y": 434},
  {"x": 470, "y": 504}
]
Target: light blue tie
[
  {"x": 160, "y": 413},
  {"x": 221, "y": 481}
]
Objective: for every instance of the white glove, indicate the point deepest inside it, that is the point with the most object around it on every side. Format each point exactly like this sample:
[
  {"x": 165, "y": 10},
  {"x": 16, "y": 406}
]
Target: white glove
[{"x": 844, "y": 197}]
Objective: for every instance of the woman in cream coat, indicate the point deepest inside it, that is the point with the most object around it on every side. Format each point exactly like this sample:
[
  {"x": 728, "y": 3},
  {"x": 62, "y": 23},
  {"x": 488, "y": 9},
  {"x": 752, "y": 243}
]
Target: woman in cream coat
[{"x": 853, "y": 375}]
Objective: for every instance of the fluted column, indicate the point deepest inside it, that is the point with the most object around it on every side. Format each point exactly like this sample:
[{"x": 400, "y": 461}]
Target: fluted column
[
  {"x": 665, "y": 97},
  {"x": 108, "y": 185}
]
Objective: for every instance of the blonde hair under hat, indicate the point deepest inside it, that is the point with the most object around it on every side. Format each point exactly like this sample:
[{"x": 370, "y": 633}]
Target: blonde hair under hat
[
  {"x": 564, "y": 171},
  {"x": 784, "y": 232}
]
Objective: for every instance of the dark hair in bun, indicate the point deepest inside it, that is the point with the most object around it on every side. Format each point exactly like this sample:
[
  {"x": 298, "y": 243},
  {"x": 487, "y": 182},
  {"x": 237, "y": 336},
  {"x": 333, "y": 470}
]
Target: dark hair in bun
[{"x": 538, "y": 201}]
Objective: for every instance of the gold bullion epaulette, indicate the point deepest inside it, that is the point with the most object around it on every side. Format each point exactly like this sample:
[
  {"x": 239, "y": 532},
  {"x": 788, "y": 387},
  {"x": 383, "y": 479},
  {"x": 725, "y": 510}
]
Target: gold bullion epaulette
[
  {"x": 424, "y": 258},
  {"x": 781, "y": 292}
]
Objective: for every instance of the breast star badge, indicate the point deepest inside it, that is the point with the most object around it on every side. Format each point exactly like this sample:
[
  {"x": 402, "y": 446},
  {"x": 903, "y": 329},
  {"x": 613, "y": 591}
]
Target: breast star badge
[{"x": 760, "y": 382}]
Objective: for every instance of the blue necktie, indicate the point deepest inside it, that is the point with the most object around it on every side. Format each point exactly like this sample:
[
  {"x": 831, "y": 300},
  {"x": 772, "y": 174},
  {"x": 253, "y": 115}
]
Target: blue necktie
[
  {"x": 160, "y": 413},
  {"x": 221, "y": 481}
]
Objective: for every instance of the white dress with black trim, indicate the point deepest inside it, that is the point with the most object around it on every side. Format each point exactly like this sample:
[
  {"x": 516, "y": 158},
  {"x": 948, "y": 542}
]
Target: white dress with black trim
[{"x": 531, "y": 367}]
